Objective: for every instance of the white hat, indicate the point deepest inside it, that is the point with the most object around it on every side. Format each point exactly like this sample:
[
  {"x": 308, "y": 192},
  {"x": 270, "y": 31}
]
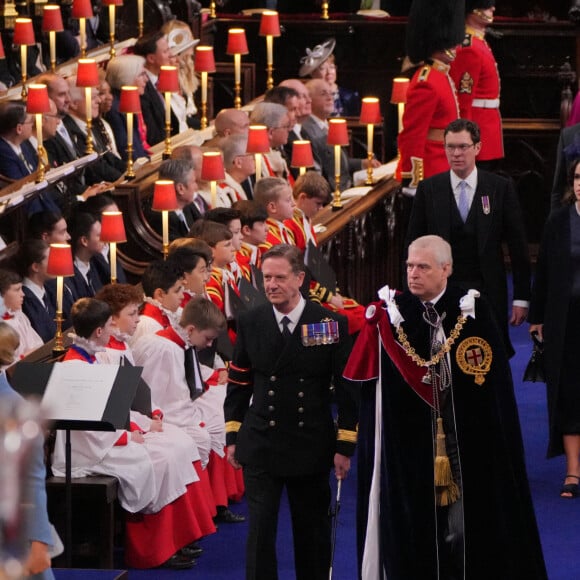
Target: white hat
[{"x": 180, "y": 39}]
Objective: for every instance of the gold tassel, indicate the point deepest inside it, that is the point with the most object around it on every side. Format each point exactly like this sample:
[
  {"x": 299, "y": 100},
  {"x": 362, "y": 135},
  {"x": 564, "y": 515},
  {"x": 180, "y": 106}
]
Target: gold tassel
[{"x": 447, "y": 489}]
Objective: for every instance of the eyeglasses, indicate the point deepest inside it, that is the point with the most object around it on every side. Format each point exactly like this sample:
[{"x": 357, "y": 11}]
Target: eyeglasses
[
  {"x": 50, "y": 116},
  {"x": 285, "y": 127},
  {"x": 461, "y": 148}
]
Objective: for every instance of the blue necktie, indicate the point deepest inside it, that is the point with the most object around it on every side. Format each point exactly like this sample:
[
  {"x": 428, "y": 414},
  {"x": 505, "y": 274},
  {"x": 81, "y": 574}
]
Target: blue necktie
[{"x": 463, "y": 202}]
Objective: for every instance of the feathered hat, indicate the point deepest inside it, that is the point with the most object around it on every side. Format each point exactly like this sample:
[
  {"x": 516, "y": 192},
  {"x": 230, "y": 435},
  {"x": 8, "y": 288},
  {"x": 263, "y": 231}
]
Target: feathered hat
[{"x": 434, "y": 25}]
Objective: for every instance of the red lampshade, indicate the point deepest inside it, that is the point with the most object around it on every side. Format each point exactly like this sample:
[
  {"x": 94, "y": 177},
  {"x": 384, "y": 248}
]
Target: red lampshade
[
  {"x": 129, "y": 101},
  {"x": 204, "y": 59},
  {"x": 212, "y": 166},
  {"x": 52, "y": 18},
  {"x": 399, "y": 92},
  {"x": 258, "y": 140},
  {"x": 37, "y": 101},
  {"x": 168, "y": 81},
  {"x": 23, "y": 32},
  {"x": 237, "y": 43},
  {"x": 60, "y": 260},
  {"x": 2, "y": 55},
  {"x": 87, "y": 73},
  {"x": 164, "y": 196},
  {"x": 112, "y": 2},
  {"x": 370, "y": 113},
  {"x": 112, "y": 227},
  {"x": 82, "y": 9},
  {"x": 270, "y": 23},
  {"x": 302, "y": 154},
  {"x": 337, "y": 132}
]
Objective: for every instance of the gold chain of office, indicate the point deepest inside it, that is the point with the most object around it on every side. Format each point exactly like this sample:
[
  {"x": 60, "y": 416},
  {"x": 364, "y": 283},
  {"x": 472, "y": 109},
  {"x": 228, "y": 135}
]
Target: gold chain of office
[{"x": 445, "y": 347}]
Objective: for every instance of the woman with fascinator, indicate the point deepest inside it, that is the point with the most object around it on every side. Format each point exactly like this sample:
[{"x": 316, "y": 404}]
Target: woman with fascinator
[{"x": 319, "y": 63}]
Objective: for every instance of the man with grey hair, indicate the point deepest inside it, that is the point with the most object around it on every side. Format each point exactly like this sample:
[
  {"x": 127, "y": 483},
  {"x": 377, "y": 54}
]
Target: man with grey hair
[
  {"x": 238, "y": 164},
  {"x": 277, "y": 118},
  {"x": 441, "y": 450},
  {"x": 183, "y": 174}
]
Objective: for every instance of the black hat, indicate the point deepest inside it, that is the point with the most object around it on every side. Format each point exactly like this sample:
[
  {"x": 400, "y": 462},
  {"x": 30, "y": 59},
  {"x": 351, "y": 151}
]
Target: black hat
[
  {"x": 471, "y": 5},
  {"x": 434, "y": 25}
]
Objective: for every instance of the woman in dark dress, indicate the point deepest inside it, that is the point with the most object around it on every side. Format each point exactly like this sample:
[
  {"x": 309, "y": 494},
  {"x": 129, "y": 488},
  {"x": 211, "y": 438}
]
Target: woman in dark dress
[{"x": 555, "y": 315}]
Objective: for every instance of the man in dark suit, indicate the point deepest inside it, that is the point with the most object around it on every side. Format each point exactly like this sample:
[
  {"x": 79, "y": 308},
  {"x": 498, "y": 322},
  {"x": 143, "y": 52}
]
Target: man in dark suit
[
  {"x": 17, "y": 156},
  {"x": 285, "y": 356},
  {"x": 154, "y": 48},
  {"x": 476, "y": 211},
  {"x": 182, "y": 173}
]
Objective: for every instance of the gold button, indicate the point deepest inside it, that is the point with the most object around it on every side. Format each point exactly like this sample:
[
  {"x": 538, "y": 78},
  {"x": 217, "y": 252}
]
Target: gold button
[
  {"x": 271, "y": 393},
  {"x": 301, "y": 394},
  {"x": 301, "y": 424},
  {"x": 272, "y": 423},
  {"x": 301, "y": 380},
  {"x": 273, "y": 378},
  {"x": 301, "y": 409},
  {"x": 270, "y": 408}
]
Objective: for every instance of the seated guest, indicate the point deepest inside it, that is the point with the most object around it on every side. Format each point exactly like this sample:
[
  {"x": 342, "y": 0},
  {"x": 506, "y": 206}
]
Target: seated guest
[
  {"x": 320, "y": 64},
  {"x": 127, "y": 69},
  {"x": 228, "y": 122},
  {"x": 13, "y": 297},
  {"x": 275, "y": 196},
  {"x": 317, "y": 127},
  {"x": 103, "y": 132},
  {"x": 109, "y": 167},
  {"x": 37, "y": 305},
  {"x": 18, "y": 157},
  {"x": 183, "y": 175},
  {"x": 154, "y": 48},
  {"x": 239, "y": 166},
  {"x": 38, "y": 528},
  {"x": 100, "y": 261},
  {"x": 181, "y": 45},
  {"x": 286, "y": 96},
  {"x": 277, "y": 119},
  {"x": 162, "y": 283},
  {"x": 254, "y": 229},
  {"x": 152, "y": 481},
  {"x": 194, "y": 154},
  {"x": 48, "y": 226},
  {"x": 85, "y": 231}
]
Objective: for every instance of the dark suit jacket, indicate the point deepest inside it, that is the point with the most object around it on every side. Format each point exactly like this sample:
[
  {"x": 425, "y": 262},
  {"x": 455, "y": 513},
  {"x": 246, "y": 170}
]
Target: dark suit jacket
[
  {"x": 288, "y": 428},
  {"x": 118, "y": 122},
  {"x": 11, "y": 165},
  {"x": 568, "y": 150},
  {"x": 325, "y": 154},
  {"x": 78, "y": 286},
  {"x": 153, "y": 110},
  {"x": 41, "y": 318},
  {"x": 431, "y": 214},
  {"x": 177, "y": 229},
  {"x": 103, "y": 270}
]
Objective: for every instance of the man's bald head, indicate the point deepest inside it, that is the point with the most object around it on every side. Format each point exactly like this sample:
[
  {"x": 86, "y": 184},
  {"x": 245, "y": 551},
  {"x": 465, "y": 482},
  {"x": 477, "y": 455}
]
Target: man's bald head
[{"x": 231, "y": 122}]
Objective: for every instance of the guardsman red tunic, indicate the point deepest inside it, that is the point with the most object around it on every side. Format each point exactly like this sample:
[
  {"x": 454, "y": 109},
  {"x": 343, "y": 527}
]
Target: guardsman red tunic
[
  {"x": 302, "y": 230},
  {"x": 431, "y": 106},
  {"x": 278, "y": 233},
  {"x": 476, "y": 77}
]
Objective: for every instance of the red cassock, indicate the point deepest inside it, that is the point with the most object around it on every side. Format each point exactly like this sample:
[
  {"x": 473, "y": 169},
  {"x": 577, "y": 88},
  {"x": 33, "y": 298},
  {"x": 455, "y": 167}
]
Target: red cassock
[
  {"x": 431, "y": 106},
  {"x": 476, "y": 77}
]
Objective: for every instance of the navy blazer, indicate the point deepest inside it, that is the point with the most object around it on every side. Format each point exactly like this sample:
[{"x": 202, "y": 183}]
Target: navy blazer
[
  {"x": 78, "y": 285},
  {"x": 41, "y": 317},
  {"x": 11, "y": 165},
  {"x": 103, "y": 270}
]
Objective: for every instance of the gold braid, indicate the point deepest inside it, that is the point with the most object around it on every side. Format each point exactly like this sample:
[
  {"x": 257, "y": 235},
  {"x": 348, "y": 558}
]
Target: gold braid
[{"x": 445, "y": 348}]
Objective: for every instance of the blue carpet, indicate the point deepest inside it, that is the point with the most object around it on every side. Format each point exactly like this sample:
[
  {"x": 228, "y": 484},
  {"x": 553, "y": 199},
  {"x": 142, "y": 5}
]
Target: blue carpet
[{"x": 558, "y": 519}]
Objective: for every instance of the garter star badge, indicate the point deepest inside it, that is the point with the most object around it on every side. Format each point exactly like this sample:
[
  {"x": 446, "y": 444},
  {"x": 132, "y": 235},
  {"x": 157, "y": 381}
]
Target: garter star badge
[{"x": 474, "y": 357}]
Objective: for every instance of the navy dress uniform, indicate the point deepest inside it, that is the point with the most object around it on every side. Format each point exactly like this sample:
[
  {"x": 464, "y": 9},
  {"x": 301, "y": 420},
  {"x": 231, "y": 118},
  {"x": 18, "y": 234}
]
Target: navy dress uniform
[{"x": 278, "y": 414}]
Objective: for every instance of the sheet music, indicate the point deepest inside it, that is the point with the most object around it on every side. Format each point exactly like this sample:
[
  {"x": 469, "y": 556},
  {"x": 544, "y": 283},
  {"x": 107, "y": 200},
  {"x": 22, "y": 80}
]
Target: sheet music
[{"x": 78, "y": 391}]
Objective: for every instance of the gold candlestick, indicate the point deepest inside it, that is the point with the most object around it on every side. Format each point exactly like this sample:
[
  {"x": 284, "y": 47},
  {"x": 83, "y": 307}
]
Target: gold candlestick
[
  {"x": 325, "y": 11},
  {"x": 336, "y": 201}
]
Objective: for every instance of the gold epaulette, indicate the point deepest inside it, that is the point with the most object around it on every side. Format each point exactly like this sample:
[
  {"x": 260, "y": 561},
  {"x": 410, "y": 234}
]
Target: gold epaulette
[
  {"x": 424, "y": 74},
  {"x": 233, "y": 426}
]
